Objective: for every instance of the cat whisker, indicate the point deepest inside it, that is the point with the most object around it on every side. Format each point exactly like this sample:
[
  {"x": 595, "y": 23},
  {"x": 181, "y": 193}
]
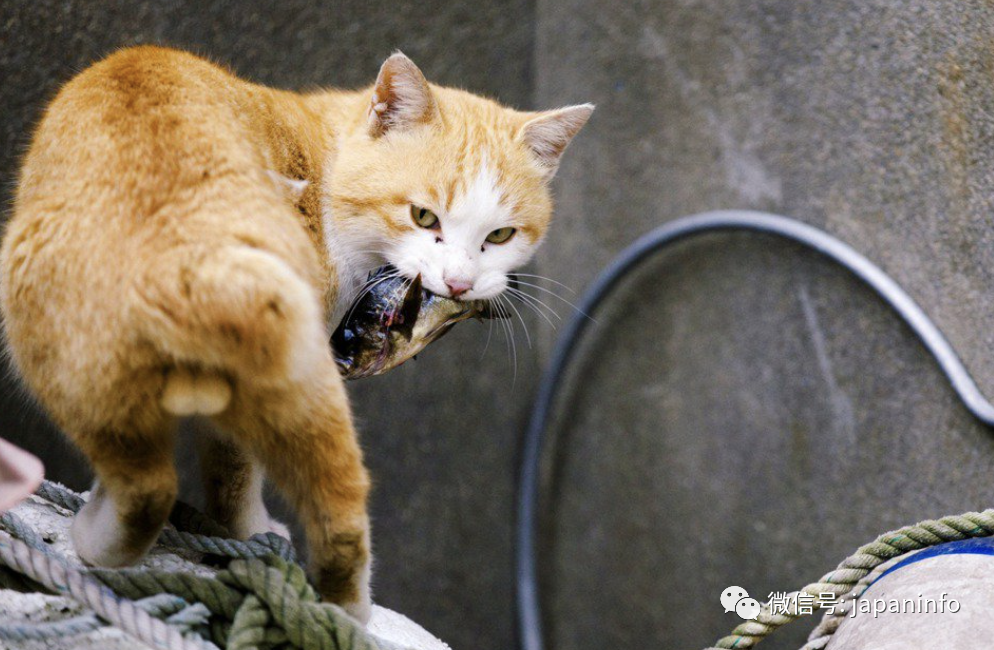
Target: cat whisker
[
  {"x": 503, "y": 329},
  {"x": 556, "y": 295},
  {"x": 364, "y": 251},
  {"x": 508, "y": 326},
  {"x": 524, "y": 326},
  {"x": 368, "y": 286},
  {"x": 547, "y": 279},
  {"x": 377, "y": 278},
  {"x": 527, "y": 301},
  {"x": 490, "y": 331},
  {"x": 534, "y": 300}
]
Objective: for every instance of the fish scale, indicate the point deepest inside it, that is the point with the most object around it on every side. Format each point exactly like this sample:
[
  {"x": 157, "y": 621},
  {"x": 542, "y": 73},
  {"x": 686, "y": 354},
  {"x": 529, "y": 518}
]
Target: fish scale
[{"x": 396, "y": 320}]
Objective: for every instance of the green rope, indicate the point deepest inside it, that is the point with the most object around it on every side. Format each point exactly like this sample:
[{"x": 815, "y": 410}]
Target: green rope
[
  {"x": 848, "y": 580},
  {"x": 262, "y": 599},
  {"x": 254, "y": 603}
]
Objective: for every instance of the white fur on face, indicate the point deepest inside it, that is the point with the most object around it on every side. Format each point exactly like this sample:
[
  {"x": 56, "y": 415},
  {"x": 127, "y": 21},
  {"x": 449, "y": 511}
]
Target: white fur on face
[
  {"x": 458, "y": 250},
  {"x": 354, "y": 254}
]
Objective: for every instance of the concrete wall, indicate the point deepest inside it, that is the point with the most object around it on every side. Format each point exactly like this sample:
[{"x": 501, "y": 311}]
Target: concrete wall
[
  {"x": 440, "y": 434},
  {"x": 748, "y": 413}
]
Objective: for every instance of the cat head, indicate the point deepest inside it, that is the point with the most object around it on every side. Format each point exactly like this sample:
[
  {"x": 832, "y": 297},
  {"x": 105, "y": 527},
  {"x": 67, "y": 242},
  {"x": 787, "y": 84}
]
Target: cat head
[{"x": 448, "y": 185}]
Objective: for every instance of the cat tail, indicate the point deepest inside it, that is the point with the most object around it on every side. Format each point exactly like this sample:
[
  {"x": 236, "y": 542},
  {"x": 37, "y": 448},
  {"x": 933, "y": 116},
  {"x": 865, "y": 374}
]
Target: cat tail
[{"x": 229, "y": 315}]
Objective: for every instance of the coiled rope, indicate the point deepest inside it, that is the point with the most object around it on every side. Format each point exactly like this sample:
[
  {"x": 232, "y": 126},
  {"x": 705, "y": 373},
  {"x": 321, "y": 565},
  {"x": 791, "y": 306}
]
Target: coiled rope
[{"x": 260, "y": 600}]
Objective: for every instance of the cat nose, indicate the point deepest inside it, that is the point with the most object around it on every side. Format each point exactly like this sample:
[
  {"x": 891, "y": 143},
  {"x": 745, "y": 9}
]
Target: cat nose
[{"x": 458, "y": 287}]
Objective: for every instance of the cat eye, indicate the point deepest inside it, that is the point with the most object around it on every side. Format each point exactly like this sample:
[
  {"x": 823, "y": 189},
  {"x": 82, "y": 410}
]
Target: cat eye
[
  {"x": 501, "y": 235},
  {"x": 424, "y": 217}
]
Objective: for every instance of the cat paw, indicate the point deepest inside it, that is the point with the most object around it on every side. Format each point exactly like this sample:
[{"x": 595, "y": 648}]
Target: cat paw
[
  {"x": 260, "y": 524},
  {"x": 100, "y": 540},
  {"x": 354, "y": 598},
  {"x": 279, "y": 528},
  {"x": 361, "y": 611}
]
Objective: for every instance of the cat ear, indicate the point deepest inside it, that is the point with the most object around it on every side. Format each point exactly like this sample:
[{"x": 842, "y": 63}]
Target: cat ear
[
  {"x": 401, "y": 97},
  {"x": 548, "y": 135}
]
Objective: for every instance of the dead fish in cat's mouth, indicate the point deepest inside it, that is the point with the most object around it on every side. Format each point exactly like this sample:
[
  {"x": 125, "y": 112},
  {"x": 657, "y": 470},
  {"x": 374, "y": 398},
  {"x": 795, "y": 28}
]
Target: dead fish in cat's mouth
[{"x": 394, "y": 321}]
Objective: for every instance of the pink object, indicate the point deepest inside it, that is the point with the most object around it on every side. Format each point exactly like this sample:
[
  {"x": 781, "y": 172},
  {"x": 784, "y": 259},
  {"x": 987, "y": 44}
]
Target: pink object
[
  {"x": 20, "y": 474},
  {"x": 458, "y": 287}
]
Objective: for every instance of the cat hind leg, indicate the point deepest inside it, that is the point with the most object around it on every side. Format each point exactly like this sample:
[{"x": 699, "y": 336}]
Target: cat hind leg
[
  {"x": 233, "y": 482},
  {"x": 134, "y": 494},
  {"x": 302, "y": 434}
]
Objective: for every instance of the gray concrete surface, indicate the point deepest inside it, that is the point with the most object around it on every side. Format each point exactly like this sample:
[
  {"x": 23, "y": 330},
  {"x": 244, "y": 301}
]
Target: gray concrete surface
[
  {"x": 440, "y": 435},
  {"x": 748, "y": 414}
]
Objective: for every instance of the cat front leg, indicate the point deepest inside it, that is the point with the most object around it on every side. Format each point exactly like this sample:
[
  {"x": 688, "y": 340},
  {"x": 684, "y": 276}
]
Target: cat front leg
[{"x": 302, "y": 435}]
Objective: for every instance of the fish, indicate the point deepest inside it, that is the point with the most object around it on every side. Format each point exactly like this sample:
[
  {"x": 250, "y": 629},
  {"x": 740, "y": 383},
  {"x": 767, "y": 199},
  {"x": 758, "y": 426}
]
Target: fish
[{"x": 394, "y": 321}]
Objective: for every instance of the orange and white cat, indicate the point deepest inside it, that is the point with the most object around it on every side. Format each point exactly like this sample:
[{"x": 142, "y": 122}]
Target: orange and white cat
[{"x": 181, "y": 242}]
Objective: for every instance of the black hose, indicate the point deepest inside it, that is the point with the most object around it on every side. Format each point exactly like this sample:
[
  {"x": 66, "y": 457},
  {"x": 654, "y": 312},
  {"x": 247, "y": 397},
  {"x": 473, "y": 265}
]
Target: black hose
[{"x": 529, "y": 604}]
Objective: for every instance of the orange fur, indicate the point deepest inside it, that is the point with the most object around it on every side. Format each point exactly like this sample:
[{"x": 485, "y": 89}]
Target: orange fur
[{"x": 172, "y": 252}]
